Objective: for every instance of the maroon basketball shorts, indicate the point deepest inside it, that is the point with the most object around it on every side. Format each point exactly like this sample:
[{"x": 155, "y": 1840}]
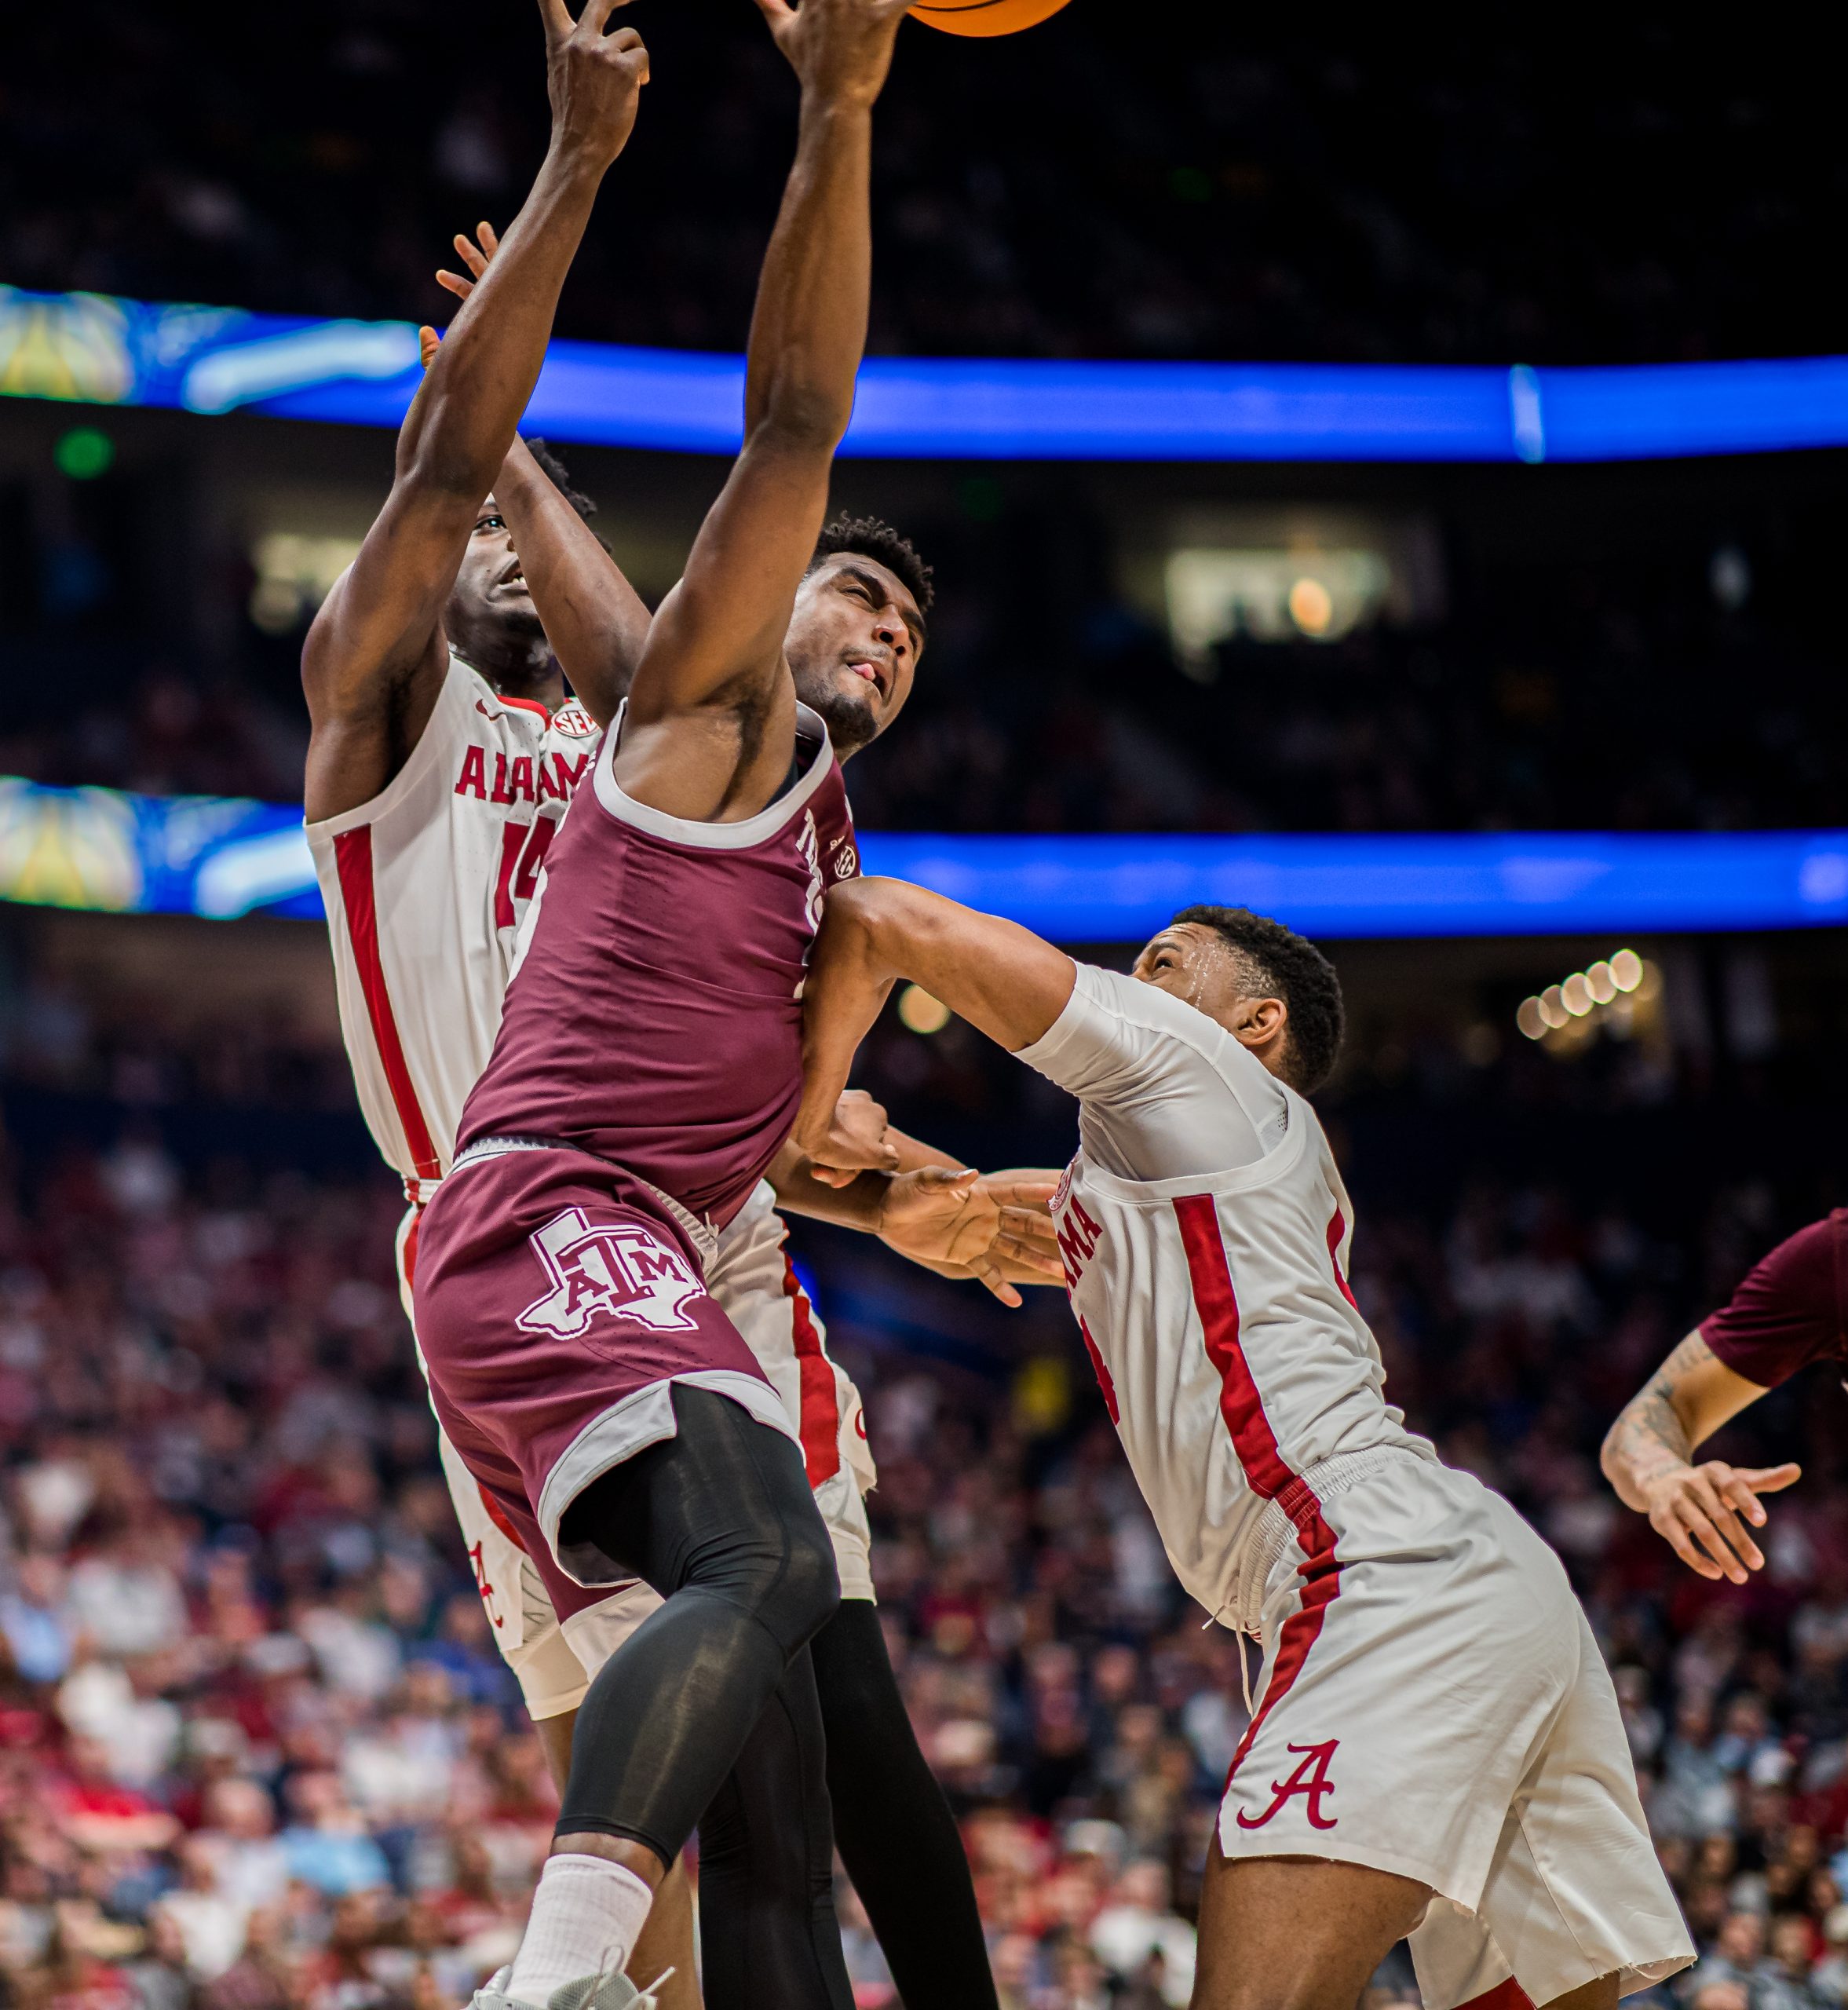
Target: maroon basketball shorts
[{"x": 558, "y": 1300}]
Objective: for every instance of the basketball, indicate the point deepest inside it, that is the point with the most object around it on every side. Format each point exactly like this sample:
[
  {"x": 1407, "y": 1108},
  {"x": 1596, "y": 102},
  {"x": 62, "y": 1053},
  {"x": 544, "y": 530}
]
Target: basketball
[{"x": 984, "y": 16}]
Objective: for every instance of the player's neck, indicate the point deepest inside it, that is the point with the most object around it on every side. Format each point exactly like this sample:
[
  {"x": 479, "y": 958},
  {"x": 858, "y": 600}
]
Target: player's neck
[{"x": 537, "y": 683}]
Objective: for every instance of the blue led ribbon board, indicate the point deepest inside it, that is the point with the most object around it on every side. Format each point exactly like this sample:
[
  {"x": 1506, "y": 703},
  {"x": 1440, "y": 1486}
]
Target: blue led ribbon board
[
  {"x": 104, "y": 851},
  {"x": 94, "y": 348}
]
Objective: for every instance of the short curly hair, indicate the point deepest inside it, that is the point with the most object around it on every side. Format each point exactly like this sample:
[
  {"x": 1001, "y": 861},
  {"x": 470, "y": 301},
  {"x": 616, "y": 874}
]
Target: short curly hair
[
  {"x": 556, "y": 472},
  {"x": 1282, "y": 964},
  {"x": 869, "y": 538}
]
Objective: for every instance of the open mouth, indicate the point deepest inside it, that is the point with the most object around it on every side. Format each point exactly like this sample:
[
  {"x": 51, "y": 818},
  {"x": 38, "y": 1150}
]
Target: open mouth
[{"x": 875, "y": 674}]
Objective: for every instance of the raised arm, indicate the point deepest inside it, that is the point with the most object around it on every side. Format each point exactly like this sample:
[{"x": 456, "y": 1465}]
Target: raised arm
[
  {"x": 999, "y": 977},
  {"x": 376, "y": 654},
  {"x": 595, "y": 621},
  {"x": 712, "y": 711},
  {"x": 1649, "y": 1454}
]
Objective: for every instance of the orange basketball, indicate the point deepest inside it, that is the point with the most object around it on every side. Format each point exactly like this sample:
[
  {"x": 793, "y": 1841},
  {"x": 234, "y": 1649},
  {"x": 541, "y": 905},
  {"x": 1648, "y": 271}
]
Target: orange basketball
[{"x": 984, "y": 16}]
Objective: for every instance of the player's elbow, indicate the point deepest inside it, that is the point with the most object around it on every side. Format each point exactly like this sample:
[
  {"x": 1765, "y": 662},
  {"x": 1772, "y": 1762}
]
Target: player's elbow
[
  {"x": 797, "y": 420},
  {"x": 436, "y": 465},
  {"x": 881, "y": 918}
]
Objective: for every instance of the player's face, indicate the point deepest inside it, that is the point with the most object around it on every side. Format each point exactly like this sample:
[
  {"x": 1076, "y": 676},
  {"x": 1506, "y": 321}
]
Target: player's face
[
  {"x": 854, "y": 645},
  {"x": 1193, "y": 962},
  {"x": 491, "y": 602}
]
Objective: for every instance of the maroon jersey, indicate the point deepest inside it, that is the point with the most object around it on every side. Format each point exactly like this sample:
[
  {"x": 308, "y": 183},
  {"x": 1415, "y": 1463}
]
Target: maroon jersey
[
  {"x": 1792, "y": 1308},
  {"x": 654, "y": 1017}
]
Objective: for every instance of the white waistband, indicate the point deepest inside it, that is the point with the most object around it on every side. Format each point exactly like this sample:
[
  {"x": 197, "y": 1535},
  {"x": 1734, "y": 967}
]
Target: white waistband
[
  {"x": 1275, "y": 1530},
  {"x": 703, "y": 1235}
]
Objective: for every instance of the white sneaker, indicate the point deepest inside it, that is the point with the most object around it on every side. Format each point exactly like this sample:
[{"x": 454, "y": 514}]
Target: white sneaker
[{"x": 612, "y": 1992}]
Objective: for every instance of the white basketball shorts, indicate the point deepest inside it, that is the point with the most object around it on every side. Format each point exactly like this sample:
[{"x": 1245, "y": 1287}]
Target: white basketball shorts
[{"x": 1433, "y": 1703}]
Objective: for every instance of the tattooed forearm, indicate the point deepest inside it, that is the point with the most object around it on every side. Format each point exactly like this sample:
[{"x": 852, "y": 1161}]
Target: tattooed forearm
[{"x": 1650, "y": 1435}]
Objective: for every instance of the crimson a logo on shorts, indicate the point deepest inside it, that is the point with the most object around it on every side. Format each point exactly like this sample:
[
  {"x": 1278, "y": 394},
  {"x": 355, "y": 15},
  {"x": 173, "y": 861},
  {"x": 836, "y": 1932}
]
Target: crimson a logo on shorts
[
  {"x": 1310, "y": 1779},
  {"x": 615, "y": 1270}
]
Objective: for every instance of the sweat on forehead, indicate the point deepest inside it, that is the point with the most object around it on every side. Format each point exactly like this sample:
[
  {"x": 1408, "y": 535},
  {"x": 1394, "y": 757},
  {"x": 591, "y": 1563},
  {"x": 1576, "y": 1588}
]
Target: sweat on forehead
[{"x": 1199, "y": 938}]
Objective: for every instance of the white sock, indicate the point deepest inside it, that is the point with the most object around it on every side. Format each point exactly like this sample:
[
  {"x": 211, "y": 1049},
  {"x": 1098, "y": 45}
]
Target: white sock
[{"x": 586, "y": 1916}]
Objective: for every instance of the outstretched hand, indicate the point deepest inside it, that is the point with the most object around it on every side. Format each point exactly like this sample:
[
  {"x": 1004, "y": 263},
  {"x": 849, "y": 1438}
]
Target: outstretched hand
[
  {"x": 594, "y": 80},
  {"x": 1701, "y": 1512},
  {"x": 477, "y": 258},
  {"x": 840, "y": 49},
  {"x": 990, "y": 1227}
]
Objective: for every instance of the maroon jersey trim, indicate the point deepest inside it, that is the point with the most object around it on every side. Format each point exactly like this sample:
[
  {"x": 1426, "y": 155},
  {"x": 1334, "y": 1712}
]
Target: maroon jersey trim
[{"x": 773, "y": 817}]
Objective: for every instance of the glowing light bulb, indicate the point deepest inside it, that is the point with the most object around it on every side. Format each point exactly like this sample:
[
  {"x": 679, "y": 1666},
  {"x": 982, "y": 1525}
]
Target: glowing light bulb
[
  {"x": 1626, "y": 969},
  {"x": 1599, "y": 981},
  {"x": 1530, "y": 1020},
  {"x": 1311, "y": 607},
  {"x": 1553, "y": 1007},
  {"x": 1576, "y": 995}
]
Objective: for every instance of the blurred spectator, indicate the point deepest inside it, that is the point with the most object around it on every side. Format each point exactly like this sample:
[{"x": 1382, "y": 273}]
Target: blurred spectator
[{"x": 257, "y": 1751}]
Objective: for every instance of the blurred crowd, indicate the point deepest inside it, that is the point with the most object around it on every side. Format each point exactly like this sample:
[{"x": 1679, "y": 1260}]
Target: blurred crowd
[
  {"x": 1552, "y": 718},
  {"x": 257, "y": 1751},
  {"x": 1209, "y": 185}
]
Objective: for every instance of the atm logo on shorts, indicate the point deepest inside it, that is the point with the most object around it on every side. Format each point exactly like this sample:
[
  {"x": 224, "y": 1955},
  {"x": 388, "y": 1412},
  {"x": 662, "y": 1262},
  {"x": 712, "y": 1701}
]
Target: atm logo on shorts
[{"x": 616, "y": 1270}]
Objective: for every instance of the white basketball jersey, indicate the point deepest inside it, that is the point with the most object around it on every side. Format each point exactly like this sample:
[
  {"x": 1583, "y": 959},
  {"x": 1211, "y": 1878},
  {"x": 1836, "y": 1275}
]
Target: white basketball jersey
[
  {"x": 1215, "y": 1307},
  {"x": 424, "y": 887}
]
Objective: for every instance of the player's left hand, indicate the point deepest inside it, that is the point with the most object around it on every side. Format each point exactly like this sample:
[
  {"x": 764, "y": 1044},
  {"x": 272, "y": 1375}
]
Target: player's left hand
[
  {"x": 477, "y": 257},
  {"x": 969, "y": 1224},
  {"x": 1026, "y": 1244}
]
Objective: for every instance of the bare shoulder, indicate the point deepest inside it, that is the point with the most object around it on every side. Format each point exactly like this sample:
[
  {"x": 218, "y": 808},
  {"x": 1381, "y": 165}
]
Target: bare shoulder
[
  {"x": 364, "y": 719},
  {"x": 720, "y": 761}
]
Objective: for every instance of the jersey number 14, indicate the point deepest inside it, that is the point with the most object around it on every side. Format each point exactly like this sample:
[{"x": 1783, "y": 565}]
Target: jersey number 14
[{"x": 523, "y": 852}]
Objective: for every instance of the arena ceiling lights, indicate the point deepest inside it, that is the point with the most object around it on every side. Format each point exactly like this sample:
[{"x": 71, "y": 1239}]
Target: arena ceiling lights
[{"x": 98, "y": 350}]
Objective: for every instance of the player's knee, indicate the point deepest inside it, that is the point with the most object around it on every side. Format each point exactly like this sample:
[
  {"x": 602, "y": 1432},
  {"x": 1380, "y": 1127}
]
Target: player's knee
[{"x": 810, "y": 1587}]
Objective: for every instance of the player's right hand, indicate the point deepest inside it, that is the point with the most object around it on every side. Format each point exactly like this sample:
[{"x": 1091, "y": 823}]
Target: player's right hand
[
  {"x": 840, "y": 49},
  {"x": 594, "y": 80},
  {"x": 856, "y": 1142},
  {"x": 1697, "y": 1511}
]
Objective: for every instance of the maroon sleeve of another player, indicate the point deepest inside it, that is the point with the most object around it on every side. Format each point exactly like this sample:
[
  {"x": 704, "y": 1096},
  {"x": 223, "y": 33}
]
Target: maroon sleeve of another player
[{"x": 1788, "y": 1311}]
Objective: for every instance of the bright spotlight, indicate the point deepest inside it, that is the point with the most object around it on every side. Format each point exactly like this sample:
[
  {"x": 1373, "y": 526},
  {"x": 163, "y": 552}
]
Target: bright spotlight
[{"x": 920, "y": 1011}]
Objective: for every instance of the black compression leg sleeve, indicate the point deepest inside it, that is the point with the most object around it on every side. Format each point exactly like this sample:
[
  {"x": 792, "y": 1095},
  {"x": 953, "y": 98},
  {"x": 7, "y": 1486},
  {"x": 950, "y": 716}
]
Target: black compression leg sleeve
[
  {"x": 897, "y": 1836},
  {"x": 772, "y": 1940},
  {"x": 718, "y": 1519}
]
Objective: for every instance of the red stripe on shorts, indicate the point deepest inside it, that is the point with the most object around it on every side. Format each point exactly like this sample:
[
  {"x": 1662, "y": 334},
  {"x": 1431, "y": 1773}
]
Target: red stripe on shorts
[
  {"x": 352, "y": 854},
  {"x": 500, "y": 1518},
  {"x": 1103, "y": 1374},
  {"x": 1507, "y": 1995},
  {"x": 821, "y": 1395},
  {"x": 1256, "y": 1445},
  {"x": 1337, "y": 1229}
]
